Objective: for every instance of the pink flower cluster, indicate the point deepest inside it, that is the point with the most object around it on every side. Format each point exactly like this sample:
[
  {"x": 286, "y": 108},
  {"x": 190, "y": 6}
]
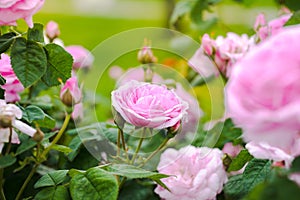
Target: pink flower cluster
[
  {"x": 264, "y": 30},
  {"x": 9, "y": 113},
  {"x": 12, "y": 10},
  {"x": 223, "y": 52},
  {"x": 148, "y": 105},
  {"x": 195, "y": 173},
  {"x": 263, "y": 97},
  {"x": 12, "y": 86}
]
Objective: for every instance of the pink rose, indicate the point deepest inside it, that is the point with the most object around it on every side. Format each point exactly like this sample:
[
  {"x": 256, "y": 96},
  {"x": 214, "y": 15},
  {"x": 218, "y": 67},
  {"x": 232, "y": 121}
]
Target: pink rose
[
  {"x": 208, "y": 44},
  {"x": 263, "y": 92},
  {"x": 78, "y": 111},
  {"x": 195, "y": 173},
  {"x": 9, "y": 113},
  {"x": 81, "y": 56},
  {"x": 52, "y": 30},
  {"x": 148, "y": 105},
  {"x": 70, "y": 93},
  {"x": 12, "y": 10},
  {"x": 12, "y": 86}
]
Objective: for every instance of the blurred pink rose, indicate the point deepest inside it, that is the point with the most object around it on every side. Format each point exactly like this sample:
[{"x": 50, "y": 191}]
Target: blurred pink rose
[
  {"x": 52, "y": 30},
  {"x": 78, "y": 111},
  {"x": 148, "y": 105},
  {"x": 81, "y": 56},
  {"x": 263, "y": 92},
  {"x": 221, "y": 53},
  {"x": 232, "y": 150},
  {"x": 196, "y": 173},
  {"x": 12, "y": 10},
  {"x": 70, "y": 93},
  {"x": 9, "y": 113},
  {"x": 115, "y": 72},
  {"x": 273, "y": 27},
  {"x": 12, "y": 86}
]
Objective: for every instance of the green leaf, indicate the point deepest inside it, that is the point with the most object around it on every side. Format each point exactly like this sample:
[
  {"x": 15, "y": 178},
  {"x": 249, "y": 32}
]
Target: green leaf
[
  {"x": 28, "y": 60},
  {"x": 133, "y": 172},
  {"x": 138, "y": 190},
  {"x": 28, "y": 143},
  {"x": 280, "y": 188},
  {"x": 7, "y": 160},
  {"x": 2, "y": 82},
  {"x": 53, "y": 193},
  {"x": 74, "y": 145},
  {"x": 291, "y": 4},
  {"x": 51, "y": 179},
  {"x": 296, "y": 165},
  {"x": 62, "y": 148},
  {"x": 32, "y": 113},
  {"x": 59, "y": 65},
  {"x": 36, "y": 33},
  {"x": 255, "y": 173},
  {"x": 295, "y": 19},
  {"x": 94, "y": 184},
  {"x": 47, "y": 122},
  {"x": 6, "y": 40},
  {"x": 182, "y": 7},
  {"x": 240, "y": 160}
]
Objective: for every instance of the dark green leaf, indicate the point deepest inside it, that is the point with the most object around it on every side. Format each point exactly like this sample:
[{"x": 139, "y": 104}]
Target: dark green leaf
[
  {"x": 28, "y": 60},
  {"x": 6, "y": 40},
  {"x": 53, "y": 193},
  {"x": 296, "y": 165},
  {"x": 59, "y": 65},
  {"x": 279, "y": 189},
  {"x": 75, "y": 145},
  {"x": 138, "y": 190},
  {"x": 51, "y": 179},
  {"x": 133, "y": 172},
  {"x": 295, "y": 19},
  {"x": 7, "y": 160},
  {"x": 94, "y": 184},
  {"x": 2, "y": 82},
  {"x": 291, "y": 4},
  {"x": 240, "y": 160},
  {"x": 32, "y": 113},
  {"x": 255, "y": 173},
  {"x": 36, "y": 33}
]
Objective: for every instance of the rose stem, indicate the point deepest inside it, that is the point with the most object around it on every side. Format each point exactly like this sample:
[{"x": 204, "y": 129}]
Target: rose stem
[
  {"x": 156, "y": 151},
  {"x": 139, "y": 146}
]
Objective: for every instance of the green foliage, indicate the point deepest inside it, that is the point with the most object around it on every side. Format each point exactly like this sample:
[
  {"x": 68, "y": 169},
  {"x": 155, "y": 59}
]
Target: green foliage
[
  {"x": 35, "y": 114},
  {"x": 2, "y": 82},
  {"x": 194, "y": 9},
  {"x": 52, "y": 179},
  {"x": 296, "y": 165},
  {"x": 240, "y": 160},
  {"x": 53, "y": 193},
  {"x": 278, "y": 189},
  {"x": 7, "y": 160},
  {"x": 256, "y": 172},
  {"x": 295, "y": 19},
  {"x": 95, "y": 183},
  {"x": 138, "y": 190},
  {"x": 61, "y": 148},
  {"x": 36, "y": 33},
  {"x": 28, "y": 60},
  {"x": 59, "y": 65},
  {"x": 6, "y": 40},
  {"x": 291, "y": 4}
]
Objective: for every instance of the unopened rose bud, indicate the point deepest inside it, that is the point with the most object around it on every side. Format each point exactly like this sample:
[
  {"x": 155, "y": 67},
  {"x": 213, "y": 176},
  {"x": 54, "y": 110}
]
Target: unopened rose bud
[
  {"x": 145, "y": 55},
  {"x": 38, "y": 136},
  {"x": 52, "y": 30},
  {"x": 226, "y": 160},
  {"x": 172, "y": 131},
  {"x": 5, "y": 121},
  {"x": 70, "y": 93}
]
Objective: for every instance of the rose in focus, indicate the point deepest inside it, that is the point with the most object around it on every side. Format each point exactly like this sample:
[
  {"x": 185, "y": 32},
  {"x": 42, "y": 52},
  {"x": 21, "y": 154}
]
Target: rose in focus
[
  {"x": 148, "y": 105},
  {"x": 12, "y": 10},
  {"x": 195, "y": 173}
]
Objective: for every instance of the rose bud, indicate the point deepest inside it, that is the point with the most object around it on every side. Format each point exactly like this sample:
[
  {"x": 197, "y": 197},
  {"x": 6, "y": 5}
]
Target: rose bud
[
  {"x": 38, "y": 136},
  {"x": 5, "y": 121},
  {"x": 70, "y": 93},
  {"x": 172, "y": 131},
  {"x": 145, "y": 55},
  {"x": 52, "y": 30}
]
